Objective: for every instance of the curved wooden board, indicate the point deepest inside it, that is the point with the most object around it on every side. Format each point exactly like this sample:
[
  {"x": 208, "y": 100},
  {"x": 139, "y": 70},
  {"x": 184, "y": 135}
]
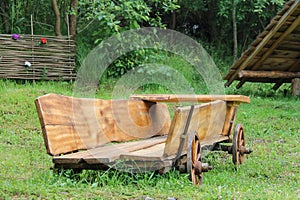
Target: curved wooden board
[{"x": 71, "y": 124}]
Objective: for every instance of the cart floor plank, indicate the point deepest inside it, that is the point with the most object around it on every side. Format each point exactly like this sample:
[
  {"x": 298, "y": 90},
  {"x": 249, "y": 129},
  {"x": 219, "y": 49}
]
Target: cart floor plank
[
  {"x": 152, "y": 153},
  {"x": 156, "y": 152},
  {"x": 108, "y": 153}
]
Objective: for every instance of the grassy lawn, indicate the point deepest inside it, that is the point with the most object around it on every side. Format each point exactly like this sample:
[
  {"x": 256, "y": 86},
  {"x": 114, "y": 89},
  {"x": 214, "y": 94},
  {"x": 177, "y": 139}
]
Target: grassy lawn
[{"x": 272, "y": 171}]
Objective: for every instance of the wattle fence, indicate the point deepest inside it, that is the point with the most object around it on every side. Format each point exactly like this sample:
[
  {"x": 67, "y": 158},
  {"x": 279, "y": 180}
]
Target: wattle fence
[{"x": 37, "y": 57}]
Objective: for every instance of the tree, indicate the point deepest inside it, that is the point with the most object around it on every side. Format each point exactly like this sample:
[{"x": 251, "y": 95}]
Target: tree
[
  {"x": 72, "y": 18},
  {"x": 234, "y": 29},
  {"x": 57, "y": 16},
  {"x": 105, "y": 18}
]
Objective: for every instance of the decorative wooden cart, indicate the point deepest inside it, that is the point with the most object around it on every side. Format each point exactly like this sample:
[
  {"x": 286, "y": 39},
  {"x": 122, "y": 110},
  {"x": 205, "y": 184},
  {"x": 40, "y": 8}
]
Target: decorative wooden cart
[{"x": 137, "y": 134}]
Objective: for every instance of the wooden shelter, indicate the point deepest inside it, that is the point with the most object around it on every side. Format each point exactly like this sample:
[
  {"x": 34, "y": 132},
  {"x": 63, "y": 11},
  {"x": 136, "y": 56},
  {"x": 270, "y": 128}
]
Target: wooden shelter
[
  {"x": 274, "y": 57},
  {"x": 37, "y": 57}
]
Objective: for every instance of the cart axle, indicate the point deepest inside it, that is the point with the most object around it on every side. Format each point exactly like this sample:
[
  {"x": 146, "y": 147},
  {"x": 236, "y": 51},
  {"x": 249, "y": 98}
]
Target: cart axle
[
  {"x": 201, "y": 167},
  {"x": 229, "y": 149},
  {"x": 244, "y": 150}
]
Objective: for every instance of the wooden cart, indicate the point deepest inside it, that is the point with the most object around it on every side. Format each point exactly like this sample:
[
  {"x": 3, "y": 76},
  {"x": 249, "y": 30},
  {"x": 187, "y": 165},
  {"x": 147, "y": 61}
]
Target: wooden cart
[{"x": 137, "y": 134}]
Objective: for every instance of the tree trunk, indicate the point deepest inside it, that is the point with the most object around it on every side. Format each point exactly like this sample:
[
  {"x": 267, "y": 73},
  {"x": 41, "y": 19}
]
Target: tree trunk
[
  {"x": 173, "y": 20},
  {"x": 234, "y": 28},
  {"x": 73, "y": 22},
  {"x": 296, "y": 87},
  {"x": 213, "y": 32},
  {"x": 57, "y": 15}
]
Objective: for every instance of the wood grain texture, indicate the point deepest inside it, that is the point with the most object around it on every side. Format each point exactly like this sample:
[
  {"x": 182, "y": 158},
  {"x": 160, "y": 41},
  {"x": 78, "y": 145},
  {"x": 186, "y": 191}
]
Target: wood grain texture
[
  {"x": 108, "y": 153},
  {"x": 268, "y": 74},
  {"x": 207, "y": 121},
  {"x": 190, "y": 98},
  {"x": 71, "y": 124}
]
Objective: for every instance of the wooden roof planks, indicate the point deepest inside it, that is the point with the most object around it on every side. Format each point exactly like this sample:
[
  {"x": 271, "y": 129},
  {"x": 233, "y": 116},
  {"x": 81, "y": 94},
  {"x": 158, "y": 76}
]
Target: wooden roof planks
[{"x": 274, "y": 57}]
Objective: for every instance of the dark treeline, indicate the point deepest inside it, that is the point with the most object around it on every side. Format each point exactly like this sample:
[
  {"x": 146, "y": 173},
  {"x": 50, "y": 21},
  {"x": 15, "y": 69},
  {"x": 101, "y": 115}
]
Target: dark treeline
[{"x": 227, "y": 26}]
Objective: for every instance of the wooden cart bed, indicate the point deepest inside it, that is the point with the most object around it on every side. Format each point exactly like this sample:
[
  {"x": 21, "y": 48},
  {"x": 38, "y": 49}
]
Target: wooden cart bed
[{"x": 94, "y": 133}]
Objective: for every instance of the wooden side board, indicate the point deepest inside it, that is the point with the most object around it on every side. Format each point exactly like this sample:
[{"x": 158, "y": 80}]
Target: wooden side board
[
  {"x": 207, "y": 121},
  {"x": 70, "y": 124},
  {"x": 156, "y": 153},
  {"x": 190, "y": 98}
]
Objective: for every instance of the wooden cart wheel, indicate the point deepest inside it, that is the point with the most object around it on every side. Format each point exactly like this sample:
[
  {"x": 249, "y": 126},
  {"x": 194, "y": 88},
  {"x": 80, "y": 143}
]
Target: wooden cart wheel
[
  {"x": 238, "y": 145},
  {"x": 194, "y": 159}
]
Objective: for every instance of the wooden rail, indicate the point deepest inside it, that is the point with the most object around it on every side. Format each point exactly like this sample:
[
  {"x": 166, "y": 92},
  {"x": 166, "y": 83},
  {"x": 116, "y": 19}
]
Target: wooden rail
[{"x": 190, "y": 98}]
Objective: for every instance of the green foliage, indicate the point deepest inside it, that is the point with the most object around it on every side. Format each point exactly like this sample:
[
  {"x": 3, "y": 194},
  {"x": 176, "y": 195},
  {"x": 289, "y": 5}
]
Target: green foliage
[
  {"x": 207, "y": 20},
  {"x": 17, "y": 16},
  {"x": 113, "y": 17},
  {"x": 211, "y": 21},
  {"x": 16, "y": 19},
  {"x": 252, "y": 14}
]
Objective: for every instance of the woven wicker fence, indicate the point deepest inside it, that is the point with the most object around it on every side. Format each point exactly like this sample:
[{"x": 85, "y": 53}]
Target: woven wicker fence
[{"x": 28, "y": 58}]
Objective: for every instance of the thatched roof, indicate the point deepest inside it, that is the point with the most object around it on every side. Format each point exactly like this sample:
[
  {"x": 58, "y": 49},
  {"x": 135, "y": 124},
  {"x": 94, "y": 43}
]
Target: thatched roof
[{"x": 274, "y": 57}]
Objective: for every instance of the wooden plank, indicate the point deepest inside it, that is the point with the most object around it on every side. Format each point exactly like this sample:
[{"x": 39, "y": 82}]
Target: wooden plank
[
  {"x": 274, "y": 64},
  {"x": 292, "y": 68},
  {"x": 152, "y": 153},
  {"x": 286, "y": 54},
  {"x": 87, "y": 123},
  {"x": 138, "y": 166},
  {"x": 155, "y": 152},
  {"x": 108, "y": 153},
  {"x": 231, "y": 110},
  {"x": 81, "y": 165},
  {"x": 261, "y": 44},
  {"x": 268, "y": 74},
  {"x": 277, "y": 42},
  {"x": 59, "y": 139},
  {"x": 190, "y": 98},
  {"x": 266, "y": 80},
  {"x": 207, "y": 120}
]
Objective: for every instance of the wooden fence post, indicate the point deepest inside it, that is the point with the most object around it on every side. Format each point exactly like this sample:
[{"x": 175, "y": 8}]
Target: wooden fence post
[{"x": 296, "y": 86}]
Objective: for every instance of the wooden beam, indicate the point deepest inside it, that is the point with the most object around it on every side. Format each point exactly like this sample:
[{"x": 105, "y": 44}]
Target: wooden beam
[
  {"x": 240, "y": 84},
  {"x": 291, "y": 69},
  {"x": 266, "y": 39},
  {"x": 190, "y": 98},
  {"x": 276, "y": 43},
  {"x": 268, "y": 74}
]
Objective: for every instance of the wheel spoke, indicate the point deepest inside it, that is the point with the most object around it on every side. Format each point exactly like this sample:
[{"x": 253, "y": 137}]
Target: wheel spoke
[
  {"x": 193, "y": 176},
  {"x": 194, "y": 155},
  {"x": 199, "y": 157}
]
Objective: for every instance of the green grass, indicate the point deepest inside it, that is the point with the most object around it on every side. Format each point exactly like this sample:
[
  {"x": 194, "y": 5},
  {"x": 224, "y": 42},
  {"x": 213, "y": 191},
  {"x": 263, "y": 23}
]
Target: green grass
[{"x": 272, "y": 171}]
